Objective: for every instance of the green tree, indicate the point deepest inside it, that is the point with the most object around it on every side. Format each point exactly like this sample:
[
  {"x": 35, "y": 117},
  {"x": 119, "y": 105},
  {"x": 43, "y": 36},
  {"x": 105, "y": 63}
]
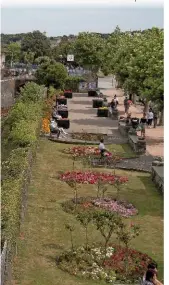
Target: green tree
[
  {"x": 13, "y": 53},
  {"x": 37, "y": 43},
  {"x": 52, "y": 74},
  {"x": 88, "y": 50}
]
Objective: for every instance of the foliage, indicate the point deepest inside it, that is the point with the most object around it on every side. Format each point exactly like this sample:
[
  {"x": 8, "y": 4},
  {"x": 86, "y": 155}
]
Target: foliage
[
  {"x": 23, "y": 120},
  {"x": 72, "y": 82},
  {"x": 23, "y": 133},
  {"x": 70, "y": 228},
  {"x": 37, "y": 43},
  {"x": 106, "y": 223},
  {"x": 28, "y": 57},
  {"x": 32, "y": 92},
  {"x": 88, "y": 50},
  {"x": 52, "y": 75},
  {"x": 44, "y": 59},
  {"x": 13, "y": 52},
  {"x": 85, "y": 218}
]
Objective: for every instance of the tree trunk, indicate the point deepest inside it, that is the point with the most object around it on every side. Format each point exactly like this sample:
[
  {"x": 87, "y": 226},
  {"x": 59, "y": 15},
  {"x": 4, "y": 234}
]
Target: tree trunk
[
  {"x": 134, "y": 99},
  {"x": 161, "y": 121},
  {"x": 146, "y": 106}
]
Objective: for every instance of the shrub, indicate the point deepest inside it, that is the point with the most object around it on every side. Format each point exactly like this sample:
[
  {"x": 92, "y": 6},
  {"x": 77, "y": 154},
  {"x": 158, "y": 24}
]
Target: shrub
[
  {"x": 32, "y": 92},
  {"x": 23, "y": 133},
  {"x": 72, "y": 83}
]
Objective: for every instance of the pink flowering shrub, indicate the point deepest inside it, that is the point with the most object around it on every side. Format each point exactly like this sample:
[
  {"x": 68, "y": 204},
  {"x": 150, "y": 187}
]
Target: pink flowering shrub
[
  {"x": 89, "y": 177},
  {"x": 85, "y": 151},
  {"x": 121, "y": 207}
]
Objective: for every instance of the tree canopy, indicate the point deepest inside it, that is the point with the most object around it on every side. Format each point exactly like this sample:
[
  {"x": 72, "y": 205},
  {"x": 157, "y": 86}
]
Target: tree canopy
[{"x": 37, "y": 43}]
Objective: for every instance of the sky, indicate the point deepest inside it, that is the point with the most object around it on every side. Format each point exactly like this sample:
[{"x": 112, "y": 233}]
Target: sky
[{"x": 64, "y": 20}]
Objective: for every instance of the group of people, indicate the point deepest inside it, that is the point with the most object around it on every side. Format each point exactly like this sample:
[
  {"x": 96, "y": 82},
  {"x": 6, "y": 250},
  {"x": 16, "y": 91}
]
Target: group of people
[
  {"x": 150, "y": 277},
  {"x": 54, "y": 125}
]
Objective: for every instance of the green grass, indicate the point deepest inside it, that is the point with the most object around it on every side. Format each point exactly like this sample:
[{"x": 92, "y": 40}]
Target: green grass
[{"x": 44, "y": 234}]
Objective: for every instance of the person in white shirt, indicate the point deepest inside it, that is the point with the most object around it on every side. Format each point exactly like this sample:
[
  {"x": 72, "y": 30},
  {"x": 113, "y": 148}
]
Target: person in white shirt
[
  {"x": 55, "y": 129},
  {"x": 102, "y": 148},
  {"x": 150, "y": 117}
]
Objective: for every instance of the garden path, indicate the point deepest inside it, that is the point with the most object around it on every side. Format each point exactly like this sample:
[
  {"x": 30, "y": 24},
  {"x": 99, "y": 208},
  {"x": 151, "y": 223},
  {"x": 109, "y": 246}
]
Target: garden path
[{"x": 84, "y": 118}]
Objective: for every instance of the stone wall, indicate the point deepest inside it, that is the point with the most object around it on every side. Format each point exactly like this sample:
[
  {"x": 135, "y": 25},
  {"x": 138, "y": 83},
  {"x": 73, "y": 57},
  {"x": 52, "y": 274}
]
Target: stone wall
[{"x": 7, "y": 93}]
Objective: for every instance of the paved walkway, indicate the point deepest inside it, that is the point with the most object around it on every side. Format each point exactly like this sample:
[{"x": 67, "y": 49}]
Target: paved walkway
[{"x": 84, "y": 118}]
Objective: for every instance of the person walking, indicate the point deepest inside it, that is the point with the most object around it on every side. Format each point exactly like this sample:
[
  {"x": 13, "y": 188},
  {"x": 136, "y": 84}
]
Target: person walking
[
  {"x": 116, "y": 101},
  {"x": 150, "y": 117},
  {"x": 126, "y": 105},
  {"x": 102, "y": 148},
  {"x": 143, "y": 122}
]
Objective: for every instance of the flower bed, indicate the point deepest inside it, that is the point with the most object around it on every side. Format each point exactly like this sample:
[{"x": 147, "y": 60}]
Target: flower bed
[
  {"x": 102, "y": 112},
  {"x": 90, "y": 263},
  {"x": 85, "y": 151},
  {"x": 89, "y": 177},
  {"x": 61, "y": 100},
  {"x": 68, "y": 94},
  {"x": 123, "y": 208}
]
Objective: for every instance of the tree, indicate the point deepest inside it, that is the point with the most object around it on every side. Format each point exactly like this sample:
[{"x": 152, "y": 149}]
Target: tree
[
  {"x": 85, "y": 218},
  {"x": 54, "y": 74},
  {"x": 107, "y": 223},
  {"x": 37, "y": 43},
  {"x": 88, "y": 50},
  {"x": 29, "y": 57},
  {"x": 44, "y": 59},
  {"x": 13, "y": 52}
]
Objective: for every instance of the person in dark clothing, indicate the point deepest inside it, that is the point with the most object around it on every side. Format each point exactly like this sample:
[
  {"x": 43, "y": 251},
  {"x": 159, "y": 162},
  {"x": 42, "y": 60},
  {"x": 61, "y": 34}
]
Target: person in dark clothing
[
  {"x": 112, "y": 104},
  {"x": 155, "y": 119},
  {"x": 126, "y": 105},
  {"x": 143, "y": 122}
]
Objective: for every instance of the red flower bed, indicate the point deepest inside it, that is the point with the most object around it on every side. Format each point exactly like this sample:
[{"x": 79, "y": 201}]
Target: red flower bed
[
  {"x": 137, "y": 262},
  {"x": 67, "y": 91},
  {"x": 89, "y": 177},
  {"x": 85, "y": 151}
]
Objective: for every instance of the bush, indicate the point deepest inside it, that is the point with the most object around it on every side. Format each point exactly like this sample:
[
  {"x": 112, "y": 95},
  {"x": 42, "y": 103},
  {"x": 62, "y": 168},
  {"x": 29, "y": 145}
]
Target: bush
[
  {"x": 32, "y": 92},
  {"x": 24, "y": 133},
  {"x": 24, "y": 111},
  {"x": 72, "y": 83}
]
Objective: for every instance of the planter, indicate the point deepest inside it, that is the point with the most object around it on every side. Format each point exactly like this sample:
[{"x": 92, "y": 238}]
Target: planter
[
  {"x": 97, "y": 103},
  {"x": 61, "y": 101},
  {"x": 92, "y": 93},
  {"x": 68, "y": 95},
  {"x": 102, "y": 112},
  {"x": 65, "y": 124},
  {"x": 63, "y": 113}
]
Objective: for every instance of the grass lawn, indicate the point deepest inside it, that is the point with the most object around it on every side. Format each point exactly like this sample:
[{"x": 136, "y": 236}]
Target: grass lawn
[{"x": 43, "y": 233}]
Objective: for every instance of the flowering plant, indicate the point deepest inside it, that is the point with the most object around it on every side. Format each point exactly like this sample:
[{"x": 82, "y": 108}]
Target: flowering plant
[
  {"x": 89, "y": 177},
  {"x": 137, "y": 262},
  {"x": 45, "y": 126},
  {"x": 121, "y": 207},
  {"x": 85, "y": 151},
  {"x": 61, "y": 97},
  {"x": 67, "y": 91},
  {"x": 88, "y": 263},
  {"x": 103, "y": 108}
]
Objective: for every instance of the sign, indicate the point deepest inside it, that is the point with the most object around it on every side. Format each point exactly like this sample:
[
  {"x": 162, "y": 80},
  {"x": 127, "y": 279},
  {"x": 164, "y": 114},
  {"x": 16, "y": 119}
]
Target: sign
[{"x": 70, "y": 57}]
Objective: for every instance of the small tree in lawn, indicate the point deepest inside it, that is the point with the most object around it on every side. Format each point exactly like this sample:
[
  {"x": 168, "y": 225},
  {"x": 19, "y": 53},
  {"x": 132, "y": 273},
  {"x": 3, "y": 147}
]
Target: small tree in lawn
[
  {"x": 106, "y": 223},
  {"x": 118, "y": 184},
  {"x": 73, "y": 185},
  {"x": 114, "y": 160},
  {"x": 70, "y": 228},
  {"x": 101, "y": 188},
  {"x": 74, "y": 159},
  {"x": 125, "y": 235},
  {"x": 85, "y": 218}
]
